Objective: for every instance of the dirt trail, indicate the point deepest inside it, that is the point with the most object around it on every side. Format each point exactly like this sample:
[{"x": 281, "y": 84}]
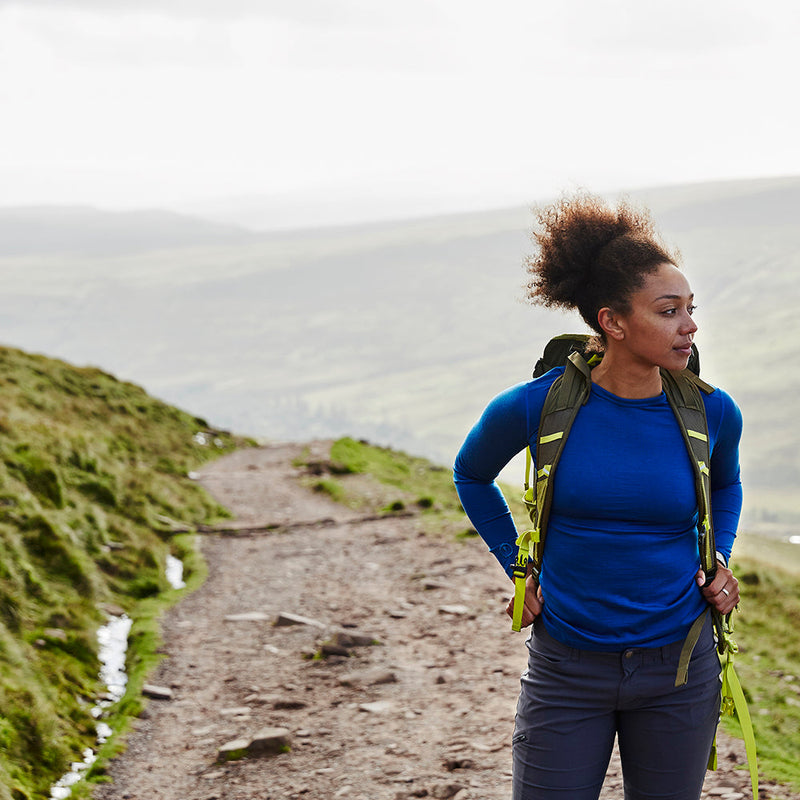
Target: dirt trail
[{"x": 426, "y": 713}]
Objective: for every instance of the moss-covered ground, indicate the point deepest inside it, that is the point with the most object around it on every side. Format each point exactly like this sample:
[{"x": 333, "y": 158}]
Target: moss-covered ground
[{"x": 93, "y": 484}]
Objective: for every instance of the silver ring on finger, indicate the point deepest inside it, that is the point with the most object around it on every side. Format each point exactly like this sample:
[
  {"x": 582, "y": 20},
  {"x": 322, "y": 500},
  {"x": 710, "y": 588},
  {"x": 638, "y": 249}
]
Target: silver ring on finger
[{"x": 726, "y": 592}]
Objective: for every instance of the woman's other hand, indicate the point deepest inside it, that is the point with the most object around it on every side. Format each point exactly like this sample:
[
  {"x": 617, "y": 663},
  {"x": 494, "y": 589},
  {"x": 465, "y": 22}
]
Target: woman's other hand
[
  {"x": 533, "y": 602},
  {"x": 723, "y": 592}
]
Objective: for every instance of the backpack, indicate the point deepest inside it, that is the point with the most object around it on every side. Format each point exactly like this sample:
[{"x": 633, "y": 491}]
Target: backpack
[{"x": 564, "y": 399}]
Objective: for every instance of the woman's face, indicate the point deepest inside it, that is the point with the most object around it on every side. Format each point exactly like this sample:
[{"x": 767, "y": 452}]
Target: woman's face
[{"x": 658, "y": 330}]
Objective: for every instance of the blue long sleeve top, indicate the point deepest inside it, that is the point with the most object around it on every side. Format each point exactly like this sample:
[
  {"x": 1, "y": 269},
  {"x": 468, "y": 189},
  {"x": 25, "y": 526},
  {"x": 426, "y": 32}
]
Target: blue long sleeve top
[{"x": 622, "y": 551}]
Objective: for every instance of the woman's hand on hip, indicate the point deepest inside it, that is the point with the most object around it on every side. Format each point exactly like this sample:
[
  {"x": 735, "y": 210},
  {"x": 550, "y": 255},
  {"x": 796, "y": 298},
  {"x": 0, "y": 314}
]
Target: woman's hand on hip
[
  {"x": 533, "y": 602},
  {"x": 723, "y": 592}
]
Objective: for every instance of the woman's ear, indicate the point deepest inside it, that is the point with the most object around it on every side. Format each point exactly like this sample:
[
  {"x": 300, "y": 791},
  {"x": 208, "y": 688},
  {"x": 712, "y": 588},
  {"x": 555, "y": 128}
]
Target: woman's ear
[{"x": 609, "y": 323}]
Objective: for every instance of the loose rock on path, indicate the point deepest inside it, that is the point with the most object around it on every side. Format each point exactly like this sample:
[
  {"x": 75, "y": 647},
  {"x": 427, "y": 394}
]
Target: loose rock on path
[{"x": 391, "y": 673}]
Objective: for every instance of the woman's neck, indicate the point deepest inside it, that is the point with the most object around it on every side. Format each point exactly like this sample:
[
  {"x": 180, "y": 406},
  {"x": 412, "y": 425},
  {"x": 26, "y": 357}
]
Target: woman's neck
[{"x": 624, "y": 378}]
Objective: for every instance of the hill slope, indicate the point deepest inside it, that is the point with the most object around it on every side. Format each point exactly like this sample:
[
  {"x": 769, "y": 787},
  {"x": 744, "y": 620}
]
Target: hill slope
[
  {"x": 92, "y": 471},
  {"x": 85, "y": 231},
  {"x": 402, "y": 332}
]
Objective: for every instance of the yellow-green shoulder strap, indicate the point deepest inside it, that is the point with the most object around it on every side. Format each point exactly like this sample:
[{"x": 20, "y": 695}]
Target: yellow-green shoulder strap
[
  {"x": 682, "y": 390},
  {"x": 564, "y": 398},
  {"x": 735, "y": 705}
]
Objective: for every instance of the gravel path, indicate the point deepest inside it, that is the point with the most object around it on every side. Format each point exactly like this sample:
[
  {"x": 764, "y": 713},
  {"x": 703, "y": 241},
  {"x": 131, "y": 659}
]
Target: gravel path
[{"x": 427, "y": 712}]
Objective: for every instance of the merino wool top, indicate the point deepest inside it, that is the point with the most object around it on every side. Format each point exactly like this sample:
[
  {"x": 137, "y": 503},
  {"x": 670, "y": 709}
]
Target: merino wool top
[{"x": 622, "y": 552}]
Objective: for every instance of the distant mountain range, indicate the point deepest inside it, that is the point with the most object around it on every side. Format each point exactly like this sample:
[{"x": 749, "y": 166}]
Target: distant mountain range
[
  {"x": 395, "y": 332},
  {"x": 81, "y": 230}
]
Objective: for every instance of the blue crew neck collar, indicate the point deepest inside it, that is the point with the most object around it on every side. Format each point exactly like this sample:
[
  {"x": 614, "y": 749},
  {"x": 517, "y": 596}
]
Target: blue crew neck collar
[{"x": 642, "y": 402}]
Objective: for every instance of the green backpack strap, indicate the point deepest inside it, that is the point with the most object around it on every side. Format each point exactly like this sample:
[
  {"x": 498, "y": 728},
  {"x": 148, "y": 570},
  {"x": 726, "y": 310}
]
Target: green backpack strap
[
  {"x": 561, "y": 406},
  {"x": 734, "y": 704},
  {"x": 683, "y": 391},
  {"x": 564, "y": 399},
  {"x": 683, "y": 394}
]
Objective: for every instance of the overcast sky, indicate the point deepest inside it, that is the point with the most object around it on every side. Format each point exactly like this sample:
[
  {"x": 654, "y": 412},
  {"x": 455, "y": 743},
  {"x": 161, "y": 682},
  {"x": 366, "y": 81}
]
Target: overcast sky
[{"x": 353, "y": 109}]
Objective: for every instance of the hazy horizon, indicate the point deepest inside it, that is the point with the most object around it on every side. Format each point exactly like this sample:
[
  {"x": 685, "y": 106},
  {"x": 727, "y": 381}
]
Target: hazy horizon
[
  {"x": 395, "y": 332},
  {"x": 336, "y": 113}
]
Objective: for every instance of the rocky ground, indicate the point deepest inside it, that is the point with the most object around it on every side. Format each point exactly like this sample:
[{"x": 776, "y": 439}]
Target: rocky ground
[{"x": 414, "y": 699}]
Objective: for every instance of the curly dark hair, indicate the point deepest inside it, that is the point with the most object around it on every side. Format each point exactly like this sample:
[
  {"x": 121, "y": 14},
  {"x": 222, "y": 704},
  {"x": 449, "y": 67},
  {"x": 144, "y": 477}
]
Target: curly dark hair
[{"x": 591, "y": 255}]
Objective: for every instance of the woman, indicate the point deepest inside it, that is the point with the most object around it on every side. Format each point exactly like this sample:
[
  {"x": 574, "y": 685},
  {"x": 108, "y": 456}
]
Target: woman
[{"x": 620, "y": 584}]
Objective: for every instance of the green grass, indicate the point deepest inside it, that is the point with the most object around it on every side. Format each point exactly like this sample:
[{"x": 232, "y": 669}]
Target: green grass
[
  {"x": 416, "y": 477},
  {"x": 384, "y": 481},
  {"x": 768, "y": 663},
  {"x": 93, "y": 472},
  {"x": 144, "y": 644},
  {"x": 332, "y": 488}
]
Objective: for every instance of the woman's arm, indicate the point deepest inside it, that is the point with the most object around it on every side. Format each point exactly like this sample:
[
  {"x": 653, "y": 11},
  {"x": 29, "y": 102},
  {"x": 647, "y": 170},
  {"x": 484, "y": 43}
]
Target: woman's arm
[
  {"x": 725, "y": 429},
  {"x": 500, "y": 433}
]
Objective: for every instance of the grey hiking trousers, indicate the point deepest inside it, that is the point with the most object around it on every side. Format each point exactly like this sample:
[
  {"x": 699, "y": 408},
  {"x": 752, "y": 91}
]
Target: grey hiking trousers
[{"x": 573, "y": 703}]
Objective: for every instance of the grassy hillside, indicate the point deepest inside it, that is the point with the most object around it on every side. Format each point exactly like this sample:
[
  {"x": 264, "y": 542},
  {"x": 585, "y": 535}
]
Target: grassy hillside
[
  {"x": 92, "y": 479},
  {"x": 381, "y": 480}
]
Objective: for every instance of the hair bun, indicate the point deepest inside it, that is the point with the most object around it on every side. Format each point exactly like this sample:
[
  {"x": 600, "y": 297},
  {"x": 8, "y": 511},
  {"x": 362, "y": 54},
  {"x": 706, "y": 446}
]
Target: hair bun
[{"x": 591, "y": 255}]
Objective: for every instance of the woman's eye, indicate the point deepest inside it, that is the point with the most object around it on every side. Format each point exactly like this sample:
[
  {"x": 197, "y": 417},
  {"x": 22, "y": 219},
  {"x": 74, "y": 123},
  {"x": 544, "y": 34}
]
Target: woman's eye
[{"x": 691, "y": 310}]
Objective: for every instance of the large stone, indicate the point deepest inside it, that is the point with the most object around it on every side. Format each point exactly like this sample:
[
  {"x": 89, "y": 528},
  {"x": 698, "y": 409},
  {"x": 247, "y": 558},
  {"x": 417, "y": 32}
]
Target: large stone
[
  {"x": 269, "y": 741},
  {"x": 233, "y": 750},
  {"x": 455, "y": 610},
  {"x": 377, "y": 707},
  {"x": 348, "y": 639},
  {"x": 330, "y": 649},
  {"x": 285, "y": 619},
  {"x": 247, "y": 616},
  {"x": 368, "y": 677},
  {"x": 156, "y": 692}
]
